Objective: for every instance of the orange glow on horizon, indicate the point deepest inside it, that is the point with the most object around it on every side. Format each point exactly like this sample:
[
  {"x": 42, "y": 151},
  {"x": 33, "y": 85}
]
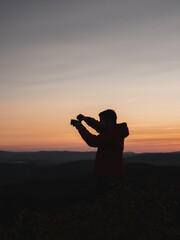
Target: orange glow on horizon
[
  {"x": 26, "y": 131},
  {"x": 73, "y": 142}
]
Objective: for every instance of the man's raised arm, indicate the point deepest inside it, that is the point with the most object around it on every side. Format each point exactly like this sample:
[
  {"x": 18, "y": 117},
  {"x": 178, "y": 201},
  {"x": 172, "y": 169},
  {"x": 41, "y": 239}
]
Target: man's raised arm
[
  {"x": 96, "y": 141},
  {"x": 91, "y": 122}
]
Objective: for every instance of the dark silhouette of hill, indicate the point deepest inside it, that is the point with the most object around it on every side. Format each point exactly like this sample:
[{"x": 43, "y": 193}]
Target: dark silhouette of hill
[
  {"x": 44, "y": 157},
  {"x": 59, "y": 157},
  {"x": 54, "y": 187},
  {"x": 167, "y": 159},
  {"x": 27, "y": 166},
  {"x": 48, "y": 157},
  {"x": 13, "y": 173},
  {"x": 50, "y": 185},
  {"x": 50, "y": 188}
]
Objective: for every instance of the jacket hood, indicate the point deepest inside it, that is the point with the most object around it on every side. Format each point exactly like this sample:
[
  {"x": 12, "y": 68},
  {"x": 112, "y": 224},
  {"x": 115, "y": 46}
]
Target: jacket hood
[{"x": 122, "y": 129}]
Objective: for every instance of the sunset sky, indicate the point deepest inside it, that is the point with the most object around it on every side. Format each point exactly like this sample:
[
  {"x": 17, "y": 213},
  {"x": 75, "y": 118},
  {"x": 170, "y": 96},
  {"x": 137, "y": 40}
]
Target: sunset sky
[{"x": 61, "y": 58}]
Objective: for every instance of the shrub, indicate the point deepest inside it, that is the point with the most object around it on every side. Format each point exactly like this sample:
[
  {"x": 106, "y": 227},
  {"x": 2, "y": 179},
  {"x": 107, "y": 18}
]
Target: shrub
[{"x": 124, "y": 213}]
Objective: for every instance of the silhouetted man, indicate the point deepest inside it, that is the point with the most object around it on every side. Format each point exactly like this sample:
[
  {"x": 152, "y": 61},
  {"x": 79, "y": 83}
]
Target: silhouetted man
[{"x": 110, "y": 143}]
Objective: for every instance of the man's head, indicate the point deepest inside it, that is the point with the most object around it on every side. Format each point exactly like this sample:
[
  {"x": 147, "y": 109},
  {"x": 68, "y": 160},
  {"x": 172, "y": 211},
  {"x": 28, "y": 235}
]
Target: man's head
[{"x": 108, "y": 118}]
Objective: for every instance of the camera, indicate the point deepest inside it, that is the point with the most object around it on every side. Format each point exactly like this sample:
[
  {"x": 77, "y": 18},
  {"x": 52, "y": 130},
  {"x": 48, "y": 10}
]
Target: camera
[{"x": 74, "y": 122}]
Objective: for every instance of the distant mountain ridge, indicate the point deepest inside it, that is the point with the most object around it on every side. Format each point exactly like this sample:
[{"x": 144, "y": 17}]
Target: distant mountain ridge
[
  {"x": 27, "y": 166},
  {"x": 60, "y": 157},
  {"x": 45, "y": 157},
  {"x": 166, "y": 159},
  {"x": 48, "y": 157}
]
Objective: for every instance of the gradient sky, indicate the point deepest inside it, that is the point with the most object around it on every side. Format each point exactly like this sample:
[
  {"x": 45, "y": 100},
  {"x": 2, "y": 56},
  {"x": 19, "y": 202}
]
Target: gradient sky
[{"x": 61, "y": 58}]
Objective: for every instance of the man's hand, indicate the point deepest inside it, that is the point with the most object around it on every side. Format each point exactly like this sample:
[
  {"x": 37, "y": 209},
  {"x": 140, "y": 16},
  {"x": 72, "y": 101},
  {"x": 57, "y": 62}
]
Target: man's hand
[
  {"x": 75, "y": 123},
  {"x": 81, "y": 117}
]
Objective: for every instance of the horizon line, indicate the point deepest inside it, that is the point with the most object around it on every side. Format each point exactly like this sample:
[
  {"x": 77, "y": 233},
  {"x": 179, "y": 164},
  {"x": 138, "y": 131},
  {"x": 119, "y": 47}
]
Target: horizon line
[{"x": 77, "y": 151}]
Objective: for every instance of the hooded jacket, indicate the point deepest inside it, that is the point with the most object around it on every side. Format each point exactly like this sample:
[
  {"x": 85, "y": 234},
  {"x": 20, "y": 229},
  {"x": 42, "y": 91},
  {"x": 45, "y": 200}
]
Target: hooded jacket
[{"x": 110, "y": 144}]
